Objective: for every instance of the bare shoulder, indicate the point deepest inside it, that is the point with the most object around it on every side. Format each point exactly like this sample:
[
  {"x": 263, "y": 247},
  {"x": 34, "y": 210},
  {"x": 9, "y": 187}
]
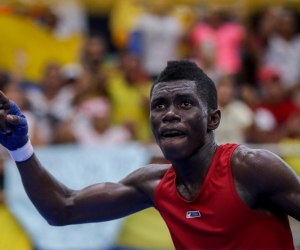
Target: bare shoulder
[
  {"x": 146, "y": 178},
  {"x": 247, "y": 157},
  {"x": 260, "y": 169},
  {"x": 251, "y": 160}
]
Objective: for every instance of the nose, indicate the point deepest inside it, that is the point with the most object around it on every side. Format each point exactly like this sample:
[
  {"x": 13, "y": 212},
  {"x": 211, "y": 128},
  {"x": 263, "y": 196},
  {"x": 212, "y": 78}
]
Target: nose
[{"x": 171, "y": 116}]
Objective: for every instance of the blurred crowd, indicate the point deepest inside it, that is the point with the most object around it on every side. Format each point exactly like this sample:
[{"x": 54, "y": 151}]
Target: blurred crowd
[
  {"x": 103, "y": 97},
  {"x": 254, "y": 62}
]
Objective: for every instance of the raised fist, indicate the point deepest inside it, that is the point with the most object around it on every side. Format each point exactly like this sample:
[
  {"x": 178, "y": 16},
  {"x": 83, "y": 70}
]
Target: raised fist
[{"x": 13, "y": 125}]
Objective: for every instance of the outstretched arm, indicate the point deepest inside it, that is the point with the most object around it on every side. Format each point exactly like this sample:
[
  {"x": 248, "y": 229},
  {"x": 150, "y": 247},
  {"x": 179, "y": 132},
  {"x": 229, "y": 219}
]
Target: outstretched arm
[{"x": 58, "y": 204}]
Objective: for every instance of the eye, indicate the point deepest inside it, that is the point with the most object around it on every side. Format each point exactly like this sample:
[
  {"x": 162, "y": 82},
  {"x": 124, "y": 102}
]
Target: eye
[
  {"x": 186, "y": 104},
  {"x": 160, "y": 106}
]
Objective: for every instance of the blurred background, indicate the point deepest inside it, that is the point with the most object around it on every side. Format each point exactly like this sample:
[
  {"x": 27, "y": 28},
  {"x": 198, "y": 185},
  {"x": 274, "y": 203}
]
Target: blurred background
[{"x": 87, "y": 65}]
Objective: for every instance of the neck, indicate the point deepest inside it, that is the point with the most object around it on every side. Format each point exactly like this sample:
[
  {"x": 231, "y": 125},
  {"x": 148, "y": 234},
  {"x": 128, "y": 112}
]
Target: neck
[
  {"x": 50, "y": 93},
  {"x": 194, "y": 169},
  {"x": 288, "y": 37}
]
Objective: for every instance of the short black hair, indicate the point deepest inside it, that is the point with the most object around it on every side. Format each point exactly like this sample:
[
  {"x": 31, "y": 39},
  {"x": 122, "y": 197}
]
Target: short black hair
[{"x": 188, "y": 70}]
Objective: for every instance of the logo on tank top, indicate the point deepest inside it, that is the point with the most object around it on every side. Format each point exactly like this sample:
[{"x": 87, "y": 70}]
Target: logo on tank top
[{"x": 192, "y": 214}]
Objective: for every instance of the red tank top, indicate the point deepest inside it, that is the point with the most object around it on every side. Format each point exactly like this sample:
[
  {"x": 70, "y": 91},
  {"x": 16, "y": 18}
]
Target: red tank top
[{"x": 217, "y": 218}]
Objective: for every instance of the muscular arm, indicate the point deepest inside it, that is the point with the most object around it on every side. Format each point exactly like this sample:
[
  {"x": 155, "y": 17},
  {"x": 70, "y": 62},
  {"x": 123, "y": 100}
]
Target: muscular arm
[
  {"x": 260, "y": 174},
  {"x": 60, "y": 205}
]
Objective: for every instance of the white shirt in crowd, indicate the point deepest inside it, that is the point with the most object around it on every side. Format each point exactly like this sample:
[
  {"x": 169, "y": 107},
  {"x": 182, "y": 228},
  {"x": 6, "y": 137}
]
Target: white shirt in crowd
[
  {"x": 236, "y": 118},
  {"x": 160, "y": 37}
]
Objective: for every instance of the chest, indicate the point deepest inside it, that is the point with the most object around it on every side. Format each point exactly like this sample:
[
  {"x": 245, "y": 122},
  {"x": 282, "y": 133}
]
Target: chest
[
  {"x": 214, "y": 219},
  {"x": 213, "y": 208}
]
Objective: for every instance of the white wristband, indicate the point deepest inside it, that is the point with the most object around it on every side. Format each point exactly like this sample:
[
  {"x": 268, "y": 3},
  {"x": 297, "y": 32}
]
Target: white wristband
[{"x": 23, "y": 153}]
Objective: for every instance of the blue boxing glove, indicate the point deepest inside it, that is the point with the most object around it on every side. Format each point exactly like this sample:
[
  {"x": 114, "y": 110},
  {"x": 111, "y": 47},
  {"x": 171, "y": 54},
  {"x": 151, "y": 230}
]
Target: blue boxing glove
[
  {"x": 14, "y": 128},
  {"x": 19, "y": 133}
]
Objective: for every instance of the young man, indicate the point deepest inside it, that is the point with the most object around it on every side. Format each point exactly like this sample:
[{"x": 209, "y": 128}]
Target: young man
[{"x": 211, "y": 196}]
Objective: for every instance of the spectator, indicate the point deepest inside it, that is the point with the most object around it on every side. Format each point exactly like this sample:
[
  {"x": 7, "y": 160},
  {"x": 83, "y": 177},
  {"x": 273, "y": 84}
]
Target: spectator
[
  {"x": 129, "y": 89},
  {"x": 91, "y": 126},
  {"x": 237, "y": 117},
  {"x": 93, "y": 53},
  {"x": 71, "y": 18},
  {"x": 274, "y": 100},
  {"x": 205, "y": 58},
  {"x": 158, "y": 36},
  {"x": 226, "y": 37},
  {"x": 262, "y": 26},
  {"x": 52, "y": 101},
  {"x": 249, "y": 94},
  {"x": 284, "y": 49},
  {"x": 95, "y": 69},
  {"x": 72, "y": 74},
  {"x": 264, "y": 120}
]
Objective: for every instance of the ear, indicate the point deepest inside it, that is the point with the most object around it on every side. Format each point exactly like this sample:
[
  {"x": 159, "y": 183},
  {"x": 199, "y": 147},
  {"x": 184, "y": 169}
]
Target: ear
[{"x": 214, "y": 119}]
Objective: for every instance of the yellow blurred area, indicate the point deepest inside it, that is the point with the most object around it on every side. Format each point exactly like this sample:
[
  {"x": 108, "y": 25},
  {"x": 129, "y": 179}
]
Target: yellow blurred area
[
  {"x": 41, "y": 46},
  {"x": 12, "y": 235},
  {"x": 145, "y": 230},
  {"x": 290, "y": 148}
]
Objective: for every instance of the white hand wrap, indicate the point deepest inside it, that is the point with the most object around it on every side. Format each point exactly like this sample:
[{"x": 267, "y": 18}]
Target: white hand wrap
[{"x": 23, "y": 153}]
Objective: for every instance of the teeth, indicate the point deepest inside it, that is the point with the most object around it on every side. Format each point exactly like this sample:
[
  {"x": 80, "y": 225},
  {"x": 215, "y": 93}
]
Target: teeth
[{"x": 172, "y": 133}]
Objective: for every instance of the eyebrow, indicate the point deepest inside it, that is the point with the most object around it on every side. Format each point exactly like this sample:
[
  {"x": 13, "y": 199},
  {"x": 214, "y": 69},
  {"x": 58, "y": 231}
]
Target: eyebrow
[
  {"x": 186, "y": 95},
  {"x": 179, "y": 95},
  {"x": 159, "y": 98}
]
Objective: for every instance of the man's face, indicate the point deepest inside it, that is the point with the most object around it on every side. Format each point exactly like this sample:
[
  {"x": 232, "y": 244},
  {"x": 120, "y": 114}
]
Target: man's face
[
  {"x": 52, "y": 78},
  {"x": 178, "y": 118},
  {"x": 273, "y": 91}
]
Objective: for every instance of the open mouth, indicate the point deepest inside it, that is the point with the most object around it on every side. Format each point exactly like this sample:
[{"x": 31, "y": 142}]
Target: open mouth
[{"x": 172, "y": 134}]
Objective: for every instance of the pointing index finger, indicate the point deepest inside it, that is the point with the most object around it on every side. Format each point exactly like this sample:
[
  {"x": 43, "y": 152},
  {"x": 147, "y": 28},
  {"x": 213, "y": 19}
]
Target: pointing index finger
[{"x": 4, "y": 101}]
